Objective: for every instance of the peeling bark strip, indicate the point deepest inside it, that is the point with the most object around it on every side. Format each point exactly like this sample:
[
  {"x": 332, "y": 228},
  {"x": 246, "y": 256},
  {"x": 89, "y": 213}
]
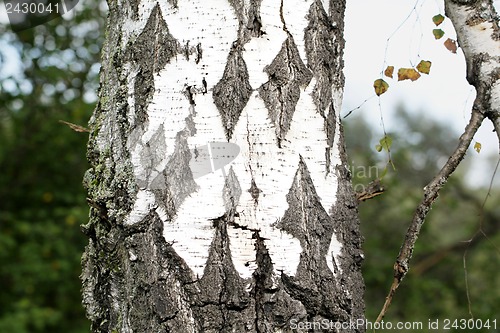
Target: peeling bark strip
[{"x": 220, "y": 197}]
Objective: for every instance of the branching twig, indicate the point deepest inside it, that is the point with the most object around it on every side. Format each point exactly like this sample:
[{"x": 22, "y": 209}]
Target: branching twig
[{"x": 431, "y": 192}]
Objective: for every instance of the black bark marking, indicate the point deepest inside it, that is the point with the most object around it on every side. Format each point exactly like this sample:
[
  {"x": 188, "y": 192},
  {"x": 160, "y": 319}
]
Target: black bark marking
[
  {"x": 173, "y": 3},
  {"x": 330, "y": 128},
  {"x": 273, "y": 307},
  {"x": 229, "y": 295},
  {"x": 175, "y": 182},
  {"x": 178, "y": 173},
  {"x": 199, "y": 53},
  {"x": 185, "y": 50},
  {"x": 324, "y": 55},
  {"x": 249, "y": 21},
  {"x": 254, "y": 191},
  {"x": 255, "y": 27},
  {"x": 263, "y": 283},
  {"x": 135, "y": 9},
  {"x": 233, "y": 91},
  {"x": 189, "y": 93},
  {"x": 155, "y": 295},
  {"x": 287, "y": 73},
  {"x": 204, "y": 82},
  {"x": 254, "y": 22},
  {"x": 331, "y": 125},
  {"x": 231, "y": 192},
  {"x": 239, "y": 9},
  {"x": 306, "y": 219},
  {"x": 152, "y": 50}
]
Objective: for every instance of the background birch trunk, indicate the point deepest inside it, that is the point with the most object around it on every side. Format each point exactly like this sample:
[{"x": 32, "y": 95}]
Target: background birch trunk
[{"x": 220, "y": 194}]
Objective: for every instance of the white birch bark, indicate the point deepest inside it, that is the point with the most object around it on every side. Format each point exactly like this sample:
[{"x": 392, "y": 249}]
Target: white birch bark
[
  {"x": 478, "y": 32},
  {"x": 221, "y": 200}
]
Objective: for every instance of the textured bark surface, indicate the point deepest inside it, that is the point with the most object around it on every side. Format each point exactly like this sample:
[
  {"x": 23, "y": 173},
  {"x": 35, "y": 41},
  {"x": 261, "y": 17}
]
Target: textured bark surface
[
  {"x": 478, "y": 32},
  {"x": 221, "y": 199}
]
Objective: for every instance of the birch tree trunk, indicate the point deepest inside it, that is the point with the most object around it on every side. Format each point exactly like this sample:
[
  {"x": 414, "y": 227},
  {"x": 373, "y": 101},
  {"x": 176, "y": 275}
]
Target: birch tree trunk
[{"x": 219, "y": 189}]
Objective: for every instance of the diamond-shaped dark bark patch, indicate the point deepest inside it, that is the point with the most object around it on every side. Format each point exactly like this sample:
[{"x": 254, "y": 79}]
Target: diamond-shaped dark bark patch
[
  {"x": 281, "y": 93},
  {"x": 152, "y": 50},
  {"x": 324, "y": 56},
  {"x": 233, "y": 91}
]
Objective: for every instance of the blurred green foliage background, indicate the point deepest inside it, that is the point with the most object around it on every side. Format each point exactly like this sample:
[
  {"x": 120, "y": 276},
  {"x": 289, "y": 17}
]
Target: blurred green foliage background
[
  {"x": 42, "y": 201},
  {"x": 460, "y": 238},
  {"x": 47, "y": 73}
]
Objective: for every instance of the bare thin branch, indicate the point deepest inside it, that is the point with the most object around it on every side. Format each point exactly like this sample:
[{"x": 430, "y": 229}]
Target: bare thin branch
[{"x": 431, "y": 192}]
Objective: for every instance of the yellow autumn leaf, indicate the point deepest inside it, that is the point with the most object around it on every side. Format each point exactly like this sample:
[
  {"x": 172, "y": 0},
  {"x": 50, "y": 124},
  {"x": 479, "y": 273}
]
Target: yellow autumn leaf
[
  {"x": 380, "y": 86},
  {"x": 389, "y": 71},
  {"x": 477, "y": 147},
  {"x": 408, "y": 74},
  {"x": 424, "y": 66}
]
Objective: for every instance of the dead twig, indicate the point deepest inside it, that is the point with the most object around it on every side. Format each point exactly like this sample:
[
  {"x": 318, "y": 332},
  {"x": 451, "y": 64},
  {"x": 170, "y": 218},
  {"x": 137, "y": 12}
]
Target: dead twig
[{"x": 75, "y": 127}]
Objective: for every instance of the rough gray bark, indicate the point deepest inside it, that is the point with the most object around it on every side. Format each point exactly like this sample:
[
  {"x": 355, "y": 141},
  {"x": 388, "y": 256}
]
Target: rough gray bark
[{"x": 136, "y": 281}]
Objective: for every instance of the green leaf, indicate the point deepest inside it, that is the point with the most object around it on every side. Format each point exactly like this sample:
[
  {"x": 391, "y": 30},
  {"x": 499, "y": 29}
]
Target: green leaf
[
  {"x": 386, "y": 142},
  {"x": 380, "y": 86},
  {"x": 438, "y": 19},
  {"x": 424, "y": 66},
  {"x": 438, "y": 33}
]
